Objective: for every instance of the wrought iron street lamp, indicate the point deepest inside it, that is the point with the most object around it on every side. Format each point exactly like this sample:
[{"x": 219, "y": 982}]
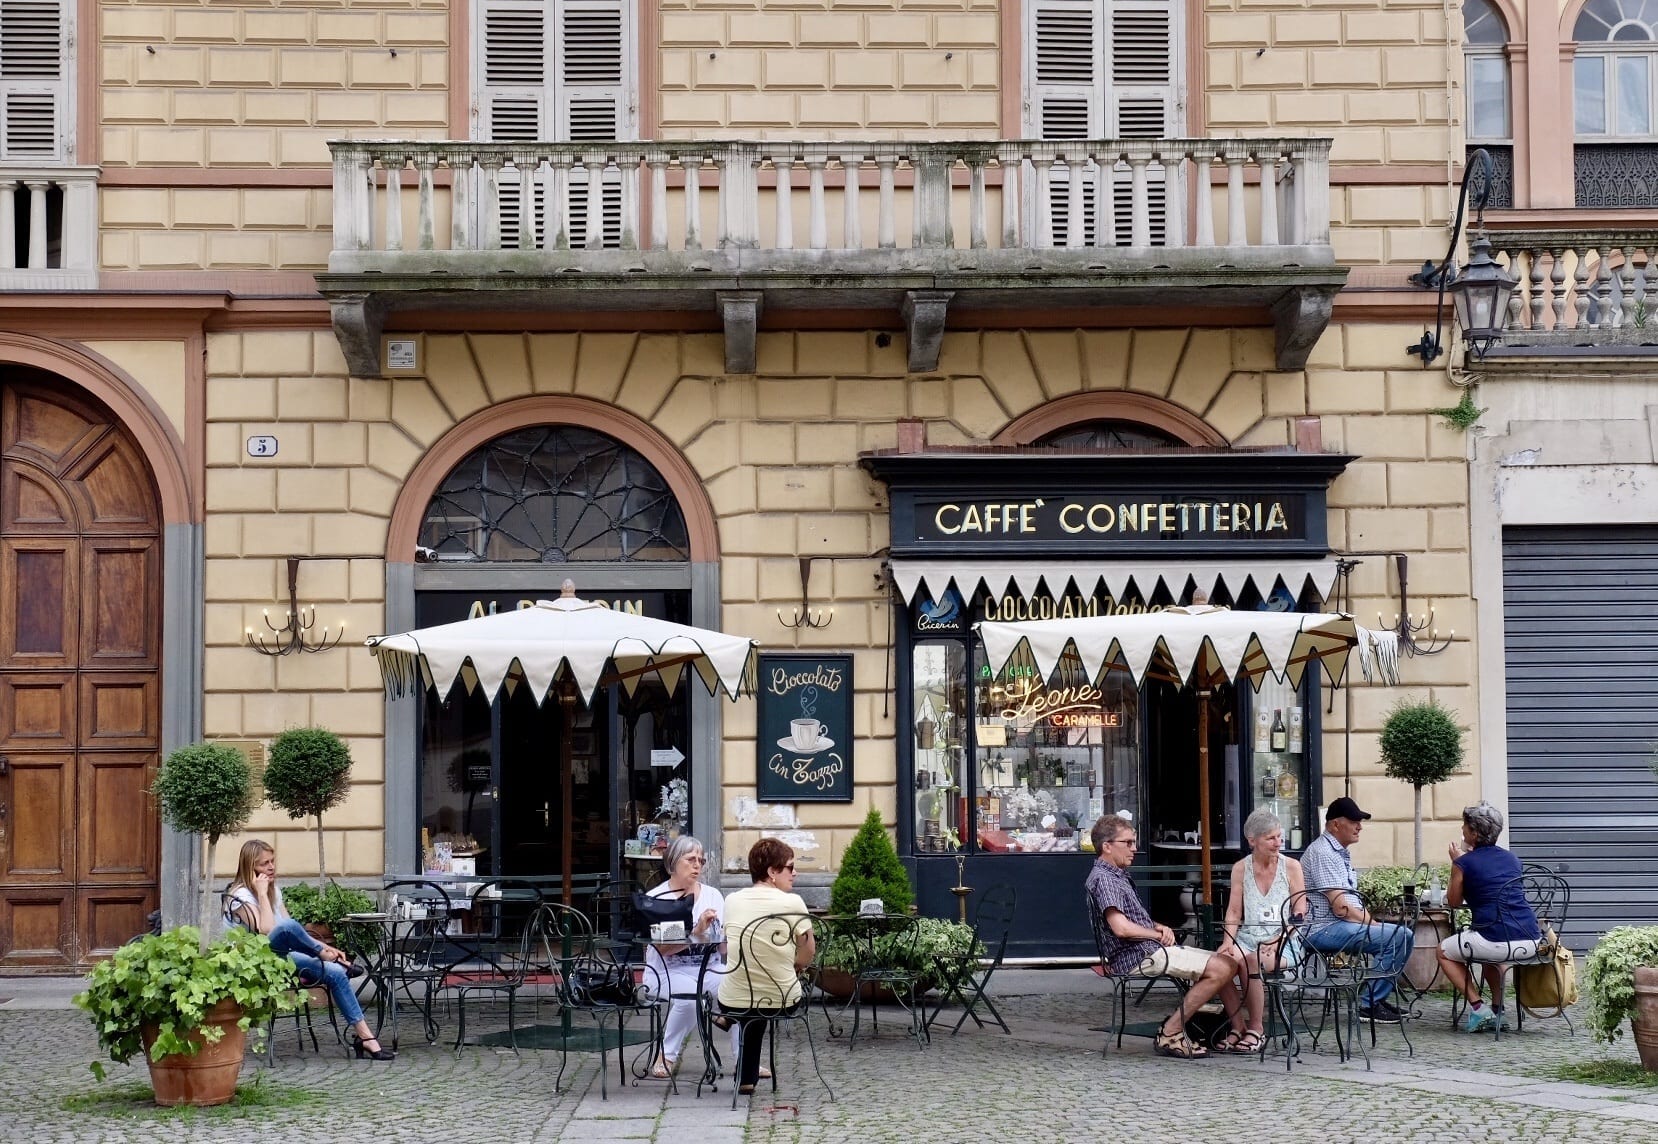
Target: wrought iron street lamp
[{"x": 1481, "y": 291}]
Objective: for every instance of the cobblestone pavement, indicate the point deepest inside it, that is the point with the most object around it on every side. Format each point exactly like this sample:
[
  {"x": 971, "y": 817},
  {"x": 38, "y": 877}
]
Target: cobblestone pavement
[{"x": 1048, "y": 1077}]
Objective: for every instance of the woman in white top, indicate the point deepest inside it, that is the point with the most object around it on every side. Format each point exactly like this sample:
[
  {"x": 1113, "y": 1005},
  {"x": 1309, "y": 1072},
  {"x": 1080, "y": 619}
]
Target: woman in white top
[
  {"x": 672, "y": 968},
  {"x": 255, "y": 903},
  {"x": 1261, "y": 884}
]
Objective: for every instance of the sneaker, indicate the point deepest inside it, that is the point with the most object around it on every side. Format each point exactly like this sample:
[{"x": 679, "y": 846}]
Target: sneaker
[
  {"x": 1382, "y": 1013},
  {"x": 1501, "y": 1019},
  {"x": 1477, "y": 1020}
]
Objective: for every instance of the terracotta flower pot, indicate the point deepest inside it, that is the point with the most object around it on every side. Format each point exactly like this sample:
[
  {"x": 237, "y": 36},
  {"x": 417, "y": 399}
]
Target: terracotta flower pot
[
  {"x": 207, "y": 1076},
  {"x": 1645, "y": 1020},
  {"x": 838, "y": 984}
]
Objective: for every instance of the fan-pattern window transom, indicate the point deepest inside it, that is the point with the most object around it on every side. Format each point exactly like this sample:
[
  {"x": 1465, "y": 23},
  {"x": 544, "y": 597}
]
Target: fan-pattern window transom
[
  {"x": 554, "y": 494},
  {"x": 1110, "y": 434}
]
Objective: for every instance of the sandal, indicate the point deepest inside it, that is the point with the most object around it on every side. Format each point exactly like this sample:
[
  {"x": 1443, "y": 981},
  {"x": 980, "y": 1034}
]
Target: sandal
[
  {"x": 765, "y": 1073},
  {"x": 662, "y": 1069},
  {"x": 1178, "y": 1045},
  {"x": 1230, "y": 1042},
  {"x": 1249, "y": 1044}
]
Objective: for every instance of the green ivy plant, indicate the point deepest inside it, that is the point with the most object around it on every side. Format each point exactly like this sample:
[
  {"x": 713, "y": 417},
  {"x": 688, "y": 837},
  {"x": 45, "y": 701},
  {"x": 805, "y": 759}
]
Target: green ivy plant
[
  {"x": 168, "y": 981},
  {"x": 308, "y": 772},
  {"x": 1609, "y": 976},
  {"x": 1421, "y": 745},
  {"x": 205, "y": 789},
  {"x": 1464, "y": 415},
  {"x": 938, "y": 940},
  {"x": 306, "y": 905},
  {"x": 870, "y": 869},
  {"x": 1382, "y": 888}
]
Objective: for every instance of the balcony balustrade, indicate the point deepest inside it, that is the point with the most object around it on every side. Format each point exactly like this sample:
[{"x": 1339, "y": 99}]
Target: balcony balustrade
[
  {"x": 48, "y": 228},
  {"x": 1581, "y": 291},
  {"x": 925, "y": 228}
]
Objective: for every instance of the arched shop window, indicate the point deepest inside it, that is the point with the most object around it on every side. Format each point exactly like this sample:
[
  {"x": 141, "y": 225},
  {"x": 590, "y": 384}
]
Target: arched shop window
[
  {"x": 1488, "y": 119},
  {"x": 1111, "y": 435},
  {"x": 1615, "y": 104},
  {"x": 493, "y": 776},
  {"x": 554, "y": 494}
]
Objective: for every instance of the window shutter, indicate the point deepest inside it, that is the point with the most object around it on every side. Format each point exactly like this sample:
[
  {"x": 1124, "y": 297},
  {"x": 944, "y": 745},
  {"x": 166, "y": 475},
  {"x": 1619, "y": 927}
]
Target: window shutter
[
  {"x": 594, "y": 81},
  {"x": 513, "y": 97},
  {"x": 34, "y": 81},
  {"x": 1066, "y": 97},
  {"x": 1143, "y": 100}
]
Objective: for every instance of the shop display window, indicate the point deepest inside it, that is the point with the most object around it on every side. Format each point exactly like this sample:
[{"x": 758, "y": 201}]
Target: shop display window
[{"x": 939, "y": 672}]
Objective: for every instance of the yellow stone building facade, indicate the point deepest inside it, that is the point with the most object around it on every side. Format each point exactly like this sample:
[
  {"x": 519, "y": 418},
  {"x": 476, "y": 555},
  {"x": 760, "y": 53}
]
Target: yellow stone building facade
[{"x": 206, "y": 127}]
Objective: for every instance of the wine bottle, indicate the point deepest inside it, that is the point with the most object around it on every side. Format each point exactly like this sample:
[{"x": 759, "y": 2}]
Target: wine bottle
[
  {"x": 1280, "y": 734},
  {"x": 1295, "y": 833}
]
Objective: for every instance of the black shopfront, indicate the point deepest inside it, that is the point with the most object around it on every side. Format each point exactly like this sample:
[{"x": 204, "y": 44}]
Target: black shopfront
[{"x": 1001, "y": 776}]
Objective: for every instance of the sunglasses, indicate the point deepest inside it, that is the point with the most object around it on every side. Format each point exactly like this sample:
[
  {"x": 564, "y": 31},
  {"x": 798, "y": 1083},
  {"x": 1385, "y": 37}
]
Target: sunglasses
[{"x": 789, "y": 867}]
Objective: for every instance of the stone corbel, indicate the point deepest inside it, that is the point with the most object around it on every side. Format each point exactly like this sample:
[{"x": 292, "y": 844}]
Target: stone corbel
[
  {"x": 740, "y": 315},
  {"x": 924, "y": 312},
  {"x": 1299, "y": 319},
  {"x": 359, "y": 320}
]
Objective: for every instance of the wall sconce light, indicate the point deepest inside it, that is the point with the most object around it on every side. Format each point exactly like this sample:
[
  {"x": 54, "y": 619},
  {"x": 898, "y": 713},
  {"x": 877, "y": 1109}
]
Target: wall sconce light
[
  {"x": 1481, "y": 292},
  {"x": 291, "y": 636},
  {"x": 804, "y": 617}
]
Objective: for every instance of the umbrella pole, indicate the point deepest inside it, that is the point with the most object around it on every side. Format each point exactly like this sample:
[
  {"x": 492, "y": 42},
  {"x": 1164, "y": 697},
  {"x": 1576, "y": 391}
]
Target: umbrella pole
[
  {"x": 1203, "y": 793},
  {"x": 566, "y": 734}
]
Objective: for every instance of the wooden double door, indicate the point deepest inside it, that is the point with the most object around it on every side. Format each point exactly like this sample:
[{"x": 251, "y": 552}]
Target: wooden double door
[{"x": 80, "y": 678}]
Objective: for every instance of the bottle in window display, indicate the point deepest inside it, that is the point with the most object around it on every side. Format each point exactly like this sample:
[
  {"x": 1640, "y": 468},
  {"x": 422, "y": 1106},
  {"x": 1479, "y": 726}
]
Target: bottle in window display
[
  {"x": 1263, "y": 731},
  {"x": 1269, "y": 783},
  {"x": 1297, "y": 736},
  {"x": 1280, "y": 733}
]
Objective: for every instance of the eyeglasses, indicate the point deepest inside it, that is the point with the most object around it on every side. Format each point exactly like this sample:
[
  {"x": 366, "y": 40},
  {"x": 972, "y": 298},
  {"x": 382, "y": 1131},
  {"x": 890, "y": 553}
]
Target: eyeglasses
[
  {"x": 789, "y": 867},
  {"x": 697, "y": 858},
  {"x": 1131, "y": 843}
]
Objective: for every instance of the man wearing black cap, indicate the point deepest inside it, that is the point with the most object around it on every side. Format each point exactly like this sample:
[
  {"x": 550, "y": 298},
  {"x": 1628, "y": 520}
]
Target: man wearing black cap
[{"x": 1338, "y": 921}]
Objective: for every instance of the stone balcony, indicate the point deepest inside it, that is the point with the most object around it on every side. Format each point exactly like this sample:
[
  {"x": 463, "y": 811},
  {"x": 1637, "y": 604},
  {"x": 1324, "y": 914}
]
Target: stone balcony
[
  {"x": 48, "y": 228},
  {"x": 1223, "y": 231},
  {"x": 1584, "y": 291}
]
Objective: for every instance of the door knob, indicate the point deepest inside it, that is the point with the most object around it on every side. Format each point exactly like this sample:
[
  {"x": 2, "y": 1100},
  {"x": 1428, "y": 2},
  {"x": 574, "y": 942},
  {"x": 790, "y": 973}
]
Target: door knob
[{"x": 5, "y": 766}]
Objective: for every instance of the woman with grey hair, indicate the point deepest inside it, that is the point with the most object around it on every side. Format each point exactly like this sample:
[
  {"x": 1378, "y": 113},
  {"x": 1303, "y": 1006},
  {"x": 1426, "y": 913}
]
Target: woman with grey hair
[
  {"x": 1486, "y": 878},
  {"x": 1261, "y": 884},
  {"x": 671, "y": 968}
]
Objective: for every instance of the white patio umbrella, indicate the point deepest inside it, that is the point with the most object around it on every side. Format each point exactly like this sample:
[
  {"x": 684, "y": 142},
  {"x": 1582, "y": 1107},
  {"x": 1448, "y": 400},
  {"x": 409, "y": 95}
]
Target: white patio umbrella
[
  {"x": 577, "y": 645},
  {"x": 1200, "y": 644}
]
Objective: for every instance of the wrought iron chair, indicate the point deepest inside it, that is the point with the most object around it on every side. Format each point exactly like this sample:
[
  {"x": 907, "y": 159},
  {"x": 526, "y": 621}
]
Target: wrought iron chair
[
  {"x": 419, "y": 954},
  {"x": 1120, "y": 982},
  {"x": 1308, "y": 976},
  {"x": 1550, "y": 899},
  {"x": 593, "y": 983},
  {"x": 966, "y": 978},
  {"x": 751, "y": 968},
  {"x": 501, "y": 958},
  {"x": 888, "y": 965}
]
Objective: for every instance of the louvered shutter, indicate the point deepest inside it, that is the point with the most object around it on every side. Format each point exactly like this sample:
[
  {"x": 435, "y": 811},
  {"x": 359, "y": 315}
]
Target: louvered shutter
[
  {"x": 593, "y": 99},
  {"x": 1065, "y": 60},
  {"x": 515, "y": 95},
  {"x": 1143, "y": 100},
  {"x": 34, "y": 81}
]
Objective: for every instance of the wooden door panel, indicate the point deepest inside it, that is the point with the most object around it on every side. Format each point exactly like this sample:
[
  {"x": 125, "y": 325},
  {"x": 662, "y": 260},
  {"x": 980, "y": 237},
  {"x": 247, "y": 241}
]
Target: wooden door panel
[
  {"x": 39, "y": 602},
  {"x": 31, "y": 503},
  {"x": 37, "y": 928},
  {"x": 113, "y": 488},
  {"x": 37, "y": 711},
  {"x": 110, "y": 917},
  {"x": 117, "y": 827},
  {"x": 38, "y": 795},
  {"x": 120, "y": 710},
  {"x": 48, "y": 425},
  {"x": 120, "y": 622}
]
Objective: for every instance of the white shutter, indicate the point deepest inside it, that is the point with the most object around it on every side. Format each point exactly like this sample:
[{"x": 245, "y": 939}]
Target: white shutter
[
  {"x": 594, "y": 85},
  {"x": 515, "y": 89},
  {"x": 35, "y": 124},
  {"x": 1143, "y": 100},
  {"x": 1066, "y": 100}
]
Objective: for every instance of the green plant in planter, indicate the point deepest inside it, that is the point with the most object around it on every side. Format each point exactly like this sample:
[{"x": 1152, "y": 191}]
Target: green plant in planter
[
  {"x": 308, "y": 772},
  {"x": 206, "y": 789},
  {"x": 170, "y": 980},
  {"x": 1609, "y": 976},
  {"x": 1382, "y": 888},
  {"x": 870, "y": 869},
  {"x": 1421, "y": 745},
  {"x": 328, "y": 908},
  {"x": 938, "y": 940}
]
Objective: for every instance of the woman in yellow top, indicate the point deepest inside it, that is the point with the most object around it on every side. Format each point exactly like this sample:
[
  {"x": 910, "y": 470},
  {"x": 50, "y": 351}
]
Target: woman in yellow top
[{"x": 768, "y": 941}]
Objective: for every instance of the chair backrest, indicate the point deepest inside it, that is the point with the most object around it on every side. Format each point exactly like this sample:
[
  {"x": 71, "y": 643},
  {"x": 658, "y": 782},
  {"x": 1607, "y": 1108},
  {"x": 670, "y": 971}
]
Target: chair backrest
[
  {"x": 1308, "y": 966},
  {"x": 1549, "y": 895},
  {"x": 1096, "y": 920},
  {"x": 419, "y": 941},
  {"x": 993, "y": 921},
  {"x": 760, "y": 960}
]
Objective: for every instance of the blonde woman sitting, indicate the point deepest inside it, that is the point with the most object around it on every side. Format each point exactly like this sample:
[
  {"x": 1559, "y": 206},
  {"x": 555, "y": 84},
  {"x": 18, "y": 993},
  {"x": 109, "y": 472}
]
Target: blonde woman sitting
[{"x": 1261, "y": 884}]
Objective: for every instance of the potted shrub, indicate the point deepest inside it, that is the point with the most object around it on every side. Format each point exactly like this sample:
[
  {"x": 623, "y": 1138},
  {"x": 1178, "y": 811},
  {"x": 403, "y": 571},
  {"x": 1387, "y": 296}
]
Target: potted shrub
[
  {"x": 326, "y": 910},
  {"x": 187, "y": 1010},
  {"x": 1421, "y": 745},
  {"x": 869, "y": 869},
  {"x": 1621, "y": 977},
  {"x": 1382, "y": 890},
  {"x": 187, "y": 1003},
  {"x": 307, "y": 772},
  {"x": 938, "y": 941}
]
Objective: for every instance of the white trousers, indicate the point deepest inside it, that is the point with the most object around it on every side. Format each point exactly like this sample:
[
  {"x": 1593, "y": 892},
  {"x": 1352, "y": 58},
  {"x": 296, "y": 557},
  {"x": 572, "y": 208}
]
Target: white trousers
[{"x": 682, "y": 1014}]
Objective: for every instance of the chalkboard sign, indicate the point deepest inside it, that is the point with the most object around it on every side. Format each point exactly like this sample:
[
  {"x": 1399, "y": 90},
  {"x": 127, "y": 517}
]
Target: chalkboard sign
[{"x": 805, "y": 717}]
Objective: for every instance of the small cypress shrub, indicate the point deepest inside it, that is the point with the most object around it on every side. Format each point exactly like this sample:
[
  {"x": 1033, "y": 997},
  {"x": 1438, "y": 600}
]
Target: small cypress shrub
[{"x": 870, "y": 869}]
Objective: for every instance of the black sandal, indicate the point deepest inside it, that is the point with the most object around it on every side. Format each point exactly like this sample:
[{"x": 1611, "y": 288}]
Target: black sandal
[{"x": 1178, "y": 1045}]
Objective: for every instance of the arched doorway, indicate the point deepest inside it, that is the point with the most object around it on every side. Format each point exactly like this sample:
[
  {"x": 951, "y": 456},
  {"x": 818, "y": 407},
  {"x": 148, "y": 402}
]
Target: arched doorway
[
  {"x": 80, "y": 675},
  {"x": 505, "y": 526}
]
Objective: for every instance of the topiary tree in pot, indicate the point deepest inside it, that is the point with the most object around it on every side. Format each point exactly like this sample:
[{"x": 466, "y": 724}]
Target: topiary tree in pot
[
  {"x": 307, "y": 772},
  {"x": 870, "y": 869},
  {"x": 205, "y": 789},
  {"x": 1421, "y": 745}
]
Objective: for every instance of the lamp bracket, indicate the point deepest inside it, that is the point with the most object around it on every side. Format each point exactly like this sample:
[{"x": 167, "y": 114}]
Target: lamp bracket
[
  {"x": 1432, "y": 277},
  {"x": 292, "y": 635}
]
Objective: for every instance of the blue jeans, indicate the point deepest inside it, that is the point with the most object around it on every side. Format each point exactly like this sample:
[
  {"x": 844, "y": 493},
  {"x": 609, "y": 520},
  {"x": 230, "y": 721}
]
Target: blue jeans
[
  {"x": 289, "y": 937},
  {"x": 1390, "y": 944}
]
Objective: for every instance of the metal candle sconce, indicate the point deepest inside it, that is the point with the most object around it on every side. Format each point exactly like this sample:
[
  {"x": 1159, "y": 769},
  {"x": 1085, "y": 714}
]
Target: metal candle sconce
[
  {"x": 804, "y": 617},
  {"x": 291, "y": 636}
]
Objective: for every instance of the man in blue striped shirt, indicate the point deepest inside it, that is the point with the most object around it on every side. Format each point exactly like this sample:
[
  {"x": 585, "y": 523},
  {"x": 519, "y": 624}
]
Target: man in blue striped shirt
[{"x": 1338, "y": 921}]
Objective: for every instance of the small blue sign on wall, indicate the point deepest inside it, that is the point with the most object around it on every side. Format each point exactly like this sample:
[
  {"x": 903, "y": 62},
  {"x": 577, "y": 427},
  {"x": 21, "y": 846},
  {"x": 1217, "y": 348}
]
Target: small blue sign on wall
[{"x": 805, "y": 721}]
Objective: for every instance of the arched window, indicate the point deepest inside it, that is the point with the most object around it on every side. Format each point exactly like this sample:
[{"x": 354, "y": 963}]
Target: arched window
[
  {"x": 1614, "y": 111},
  {"x": 554, "y": 494},
  {"x": 1112, "y": 434},
  {"x": 1488, "y": 118}
]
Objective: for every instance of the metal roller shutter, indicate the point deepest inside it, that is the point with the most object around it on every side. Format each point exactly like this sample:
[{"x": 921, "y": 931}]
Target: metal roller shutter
[{"x": 1580, "y": 621}]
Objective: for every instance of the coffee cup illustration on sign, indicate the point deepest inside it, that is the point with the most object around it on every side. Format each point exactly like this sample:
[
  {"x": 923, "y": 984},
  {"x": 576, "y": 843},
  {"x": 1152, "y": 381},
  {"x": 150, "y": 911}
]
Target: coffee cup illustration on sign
[{"x": 805, "y": 733}]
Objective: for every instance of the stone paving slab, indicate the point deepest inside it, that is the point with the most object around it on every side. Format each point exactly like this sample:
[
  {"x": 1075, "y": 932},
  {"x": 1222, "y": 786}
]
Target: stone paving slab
[{"x": 1048, "y": 1078}]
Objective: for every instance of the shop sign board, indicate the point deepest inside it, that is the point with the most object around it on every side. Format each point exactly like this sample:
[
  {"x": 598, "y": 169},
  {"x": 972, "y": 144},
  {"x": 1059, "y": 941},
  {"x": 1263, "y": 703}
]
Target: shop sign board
[{"x": 805, "y": 728}]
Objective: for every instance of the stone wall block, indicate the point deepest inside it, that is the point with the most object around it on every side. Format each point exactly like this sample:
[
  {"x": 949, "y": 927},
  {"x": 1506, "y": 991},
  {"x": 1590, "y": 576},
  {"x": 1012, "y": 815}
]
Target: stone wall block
[
  {"x": 1238, "y": 406},
  {"x": 796, "y": 487},
  {"x": 391, "y": 451},
  {"x": 686, "y": 409},
  {"x": 1448, "y": 528},
  {"x": 1389, "y": 530},
  {"x": 1439, "y": 574},
  {"x": 602, "y": 363},
  {"x": 1344, "y": 391},
  {"x": 960, "y": 353},
  {"x": 755, "y": 535},
  {"x": 416, "y": 410},
  {"x": 836, "y": 534},
  {"x": 713, "y": 450},
  {"x": 853, "y": 489},
  {"x": 733, "y": 491},
  {"x": 503, "y": 365},
  {"x": 453, "y": 375},
  {"x": 1057, "y": 358},
  {"x": 1429, "y": 483},
  {"x": 350, "y": 713},
  {"x": 311, "y": 399},
  {"x": 1380, "y": 347},
  {"x": 373, "y": 492},
  {"x": 350, "y": 533},
  {"x": 1386, "y": 437},
  {"x": 1286, "y": 394},
  {"x": 238, "y": 669},
  {"x": 829, "y": 443},
  {"x": 773, "y": 354},
  {"x": 1362, "y": 484},
  {"x": 1009, "y": 369},
  {"x": 553, "y": 362},
  {"x": 702, "y": 355},
  {"x": 241, "y": 490},
  {"x": 269, "y": 353},
  {"x": 367, "y": 580},
  {"x": 278, "y": 534},
  {"x": 273, "y": 712},
  {"x": 864, "y": 398},
  {"x": 832, "y": 352},
  {"x": 974, "y": 408},
  {"x": 797, "y": 400},
  {"x": 1197, "y": 390},
  {"x": 765, "y": 444},
  {"x": 311, "y": 490},
  {"x": 1155, "y": 357},
  {"x": 1105, "y": 355},
  {"x": 651, "y": 374}
]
